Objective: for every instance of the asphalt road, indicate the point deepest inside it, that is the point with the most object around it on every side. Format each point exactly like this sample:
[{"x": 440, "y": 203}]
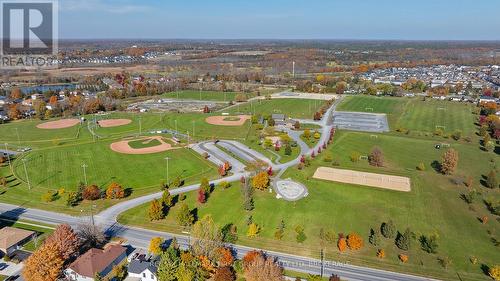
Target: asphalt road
[{"x": 140, "y": 238}]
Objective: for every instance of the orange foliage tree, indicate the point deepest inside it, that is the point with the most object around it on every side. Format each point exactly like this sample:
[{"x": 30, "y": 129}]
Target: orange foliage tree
[
  {"x": 250, "y": 257},
  {"x": 66, "y": 239},
  {"x": 261, "y": 181},
  {"x": 91, "y": 192},
  {"x": 354, "y": 241},
  {"x": 225, "y": 257},
  {"x": 45, "y": 264},
  {"x": 115, "y": 191},
  {"x": 342, "y": 244}
]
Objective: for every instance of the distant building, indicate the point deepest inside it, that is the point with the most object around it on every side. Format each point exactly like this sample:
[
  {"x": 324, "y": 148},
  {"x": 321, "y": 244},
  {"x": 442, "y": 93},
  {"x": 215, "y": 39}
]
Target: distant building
[
  {"x": 11, "y": 239},
  {"x": 96, "y": 261},
  {"x": 487, "y": 99}
]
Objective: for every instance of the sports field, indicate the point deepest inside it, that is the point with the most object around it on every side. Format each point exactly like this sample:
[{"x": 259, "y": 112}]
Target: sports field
[
  {"x": 343, "y": 208},
  {"x": 385, "y": 105},
  {"x": 429, "y": 115},
  {"x": 295, "y": 108},
  {"x": 205, "y": 95}
]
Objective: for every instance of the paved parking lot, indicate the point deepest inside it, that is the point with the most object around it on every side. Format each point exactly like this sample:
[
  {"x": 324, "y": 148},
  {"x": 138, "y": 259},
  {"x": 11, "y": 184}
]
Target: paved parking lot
[{"x": 357, "y": 121}]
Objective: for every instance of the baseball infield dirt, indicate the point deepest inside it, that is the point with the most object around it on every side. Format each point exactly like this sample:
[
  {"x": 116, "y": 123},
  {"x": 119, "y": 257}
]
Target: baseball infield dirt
[
  {"x": 124, "y": 147},
  {"x": 107, "y": 123},
  {"x": 219, "y": 120},
  {"x": 361, "y": 178},
  {"x": 59, "y": 124}
]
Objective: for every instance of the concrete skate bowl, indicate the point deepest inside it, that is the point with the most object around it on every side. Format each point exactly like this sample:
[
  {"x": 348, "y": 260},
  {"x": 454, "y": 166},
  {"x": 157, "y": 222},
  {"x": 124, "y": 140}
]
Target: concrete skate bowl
[{"x": 290, "y": 190}]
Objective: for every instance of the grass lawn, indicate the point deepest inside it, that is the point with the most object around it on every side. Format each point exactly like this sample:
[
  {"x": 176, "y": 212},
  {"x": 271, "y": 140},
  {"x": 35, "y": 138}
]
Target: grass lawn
[
  {"x": 253, "y": 141},
  {"x": 433, "y": 206},
  {"x": 295, "y": 108},
  {"x": 144, "y": 143},
  {"x": 205, "y": 95},
  {"x": 393, "y": 107},
  {"x": 61, "y": 167},
  {"x": 424, "y": 116}
]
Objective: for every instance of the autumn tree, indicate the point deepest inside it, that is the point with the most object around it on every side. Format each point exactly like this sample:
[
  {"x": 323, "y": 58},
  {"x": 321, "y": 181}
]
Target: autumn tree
[
  {"x": 261, "y": 181},
  {"x": 202, "y": 196},
  {"x": 167, "y": 199},
  {"x": 115, "y": 191},
  {"x": 91, "y": 193},
  {"x": 205, "y": 185},
  {"x": 494, "y": 272},
  {"x": 263, "y": 269},
  {"x": 206, "y": 238},
  {"x": 449, "y": 162},
  {"x": 342, "y": 244},
  {"x": 16, "y": 93},
  {"x": 250, "y": 257},
  {"x": 224, "y": 273},
  {"x": 225, "y": 257},
  {"x": 184, "y": 216},
  {"x": 45, "y": 264},
  {"x": 66, "y": 240},
  {"x": 376, "y": 157},
  {"x": 155, "y": 211},
  {"x": 354, "y": 241},
  {"x": 155, "y": 245}
]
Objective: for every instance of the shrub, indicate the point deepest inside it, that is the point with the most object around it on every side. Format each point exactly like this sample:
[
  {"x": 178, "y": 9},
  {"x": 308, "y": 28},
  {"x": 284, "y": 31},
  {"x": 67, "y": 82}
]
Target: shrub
[
  {"x": 421, "y": 166},
  {"x": 49, "y": 196},
  {"x": 429, "y": 243},
  {"x": 91, "y": 193},
  {"x": 403, "y": 240},
  {"x": 457, "y": 135},
  {"x": 403, "y": 258},
  {"x": 355, "y": 156},
  {"x": 380, "y": 253},
  {"x": 376, "y": 157},
  {"x": 491, "y": 180},
  {"x": 354, "y": 241},
  {"x": 342, "y": 244},
  {"x": 224, "y": 185},
  {"x": 388, "y": 229}
]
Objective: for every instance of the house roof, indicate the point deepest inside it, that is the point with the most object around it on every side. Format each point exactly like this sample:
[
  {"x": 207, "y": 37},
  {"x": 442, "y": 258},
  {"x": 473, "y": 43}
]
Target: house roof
[
  {"x": 139, "y": 266},
  {"x": 10, "y": 236},
  {"x": 96, "y": 260}
]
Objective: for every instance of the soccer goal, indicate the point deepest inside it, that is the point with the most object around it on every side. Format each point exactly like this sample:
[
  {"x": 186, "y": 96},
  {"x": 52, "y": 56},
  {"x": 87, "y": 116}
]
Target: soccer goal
[
  {"x": 441, "y": 127},
  {"x": 373, "y": 136},
  {"x": 363, "y": 157},
  {"x": 369, "y": 109},
  {"x": 447, "y": 145},
  {"x": 441, "y": 108}
]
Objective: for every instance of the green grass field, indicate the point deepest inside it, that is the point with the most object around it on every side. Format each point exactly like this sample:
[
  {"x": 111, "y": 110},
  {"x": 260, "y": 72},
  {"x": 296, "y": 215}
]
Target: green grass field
[
  {"x": 427, "y": 116},
  {"x": 434, "y": 205},
  {"x": 205, "y": 95},
  {"x": 295, "y": 108}
]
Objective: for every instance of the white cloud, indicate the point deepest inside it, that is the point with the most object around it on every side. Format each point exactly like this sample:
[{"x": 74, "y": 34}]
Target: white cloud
[{"x": 116, "y": 7}]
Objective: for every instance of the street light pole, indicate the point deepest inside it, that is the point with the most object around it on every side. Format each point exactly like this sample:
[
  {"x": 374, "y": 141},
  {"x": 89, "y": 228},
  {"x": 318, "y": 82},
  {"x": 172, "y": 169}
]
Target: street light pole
[
  {"x": 140, "y": 126},
  {"x": 193, "y": 129},
  {"x": 85, "y": 173},
  {"x": 8, "y": 156},
  {"x": 26, "y": 172},
  {"x": 18, "y": 138},
  {"x": 175, "y": 126}
]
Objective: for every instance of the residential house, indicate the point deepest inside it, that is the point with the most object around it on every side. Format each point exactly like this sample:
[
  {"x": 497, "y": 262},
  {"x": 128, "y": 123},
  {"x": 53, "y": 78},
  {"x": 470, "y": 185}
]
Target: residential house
[
  {"x": 487, "y": 99},
  {"x": 143, "y": 270},
  {"x": 3, "y": 100},
  {"x": 12, "y": 239},
  {"x": 96, "y": 261}
]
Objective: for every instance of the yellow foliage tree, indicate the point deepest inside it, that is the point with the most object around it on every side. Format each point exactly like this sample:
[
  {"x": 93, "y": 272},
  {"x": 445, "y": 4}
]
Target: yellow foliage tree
[
  {"x": 253, "y": 230},
  {"x": 261, "y": 181},
  {"x": 155, "y": 245},
  {"x": 494, "y": 272}
]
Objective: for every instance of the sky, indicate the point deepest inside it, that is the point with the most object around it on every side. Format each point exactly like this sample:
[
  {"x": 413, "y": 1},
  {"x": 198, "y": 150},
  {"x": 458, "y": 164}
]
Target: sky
[{"x": 280, "y": 19}]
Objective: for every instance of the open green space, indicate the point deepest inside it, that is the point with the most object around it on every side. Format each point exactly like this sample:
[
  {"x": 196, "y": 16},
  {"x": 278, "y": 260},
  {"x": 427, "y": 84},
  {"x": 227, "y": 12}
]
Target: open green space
[
  {"x": 205, "y": 95},
  {"x": 371, "y": 104},
  {"x": 433, "y": 206},
  {"x": 430, "y": 115},
  {"x": 295, "y": 108}
]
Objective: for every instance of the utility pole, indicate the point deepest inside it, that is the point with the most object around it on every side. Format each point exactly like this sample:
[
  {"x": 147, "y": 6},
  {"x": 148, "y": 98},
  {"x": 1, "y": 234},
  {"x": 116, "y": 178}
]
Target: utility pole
[
  {"x": 200, "y": 93},
  {"x": 26, "y": 172},
  {"x": 168, "y": 179},
  {"x": 8, "y": 156},
  {"x": 85, "y": 173},
  {"x": 140, "y": 125},
  {"x": 193, "y": 130}
]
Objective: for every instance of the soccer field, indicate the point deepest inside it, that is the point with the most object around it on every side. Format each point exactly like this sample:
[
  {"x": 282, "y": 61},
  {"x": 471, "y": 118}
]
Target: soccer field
[
  {"x": 371, "y": 104},
  {"x": 427, "y": 116},
  {"x": 295, "y": 108},
  {"x": 205, "y": 95}
]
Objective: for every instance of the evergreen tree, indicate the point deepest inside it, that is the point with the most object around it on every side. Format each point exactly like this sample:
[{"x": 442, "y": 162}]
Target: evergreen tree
[
  {"x": 403, "y": 240},
  {"x": 169, "y": 263},
  {"x": 388, "y": 229},
  {"x": 374, "y": 238}
]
